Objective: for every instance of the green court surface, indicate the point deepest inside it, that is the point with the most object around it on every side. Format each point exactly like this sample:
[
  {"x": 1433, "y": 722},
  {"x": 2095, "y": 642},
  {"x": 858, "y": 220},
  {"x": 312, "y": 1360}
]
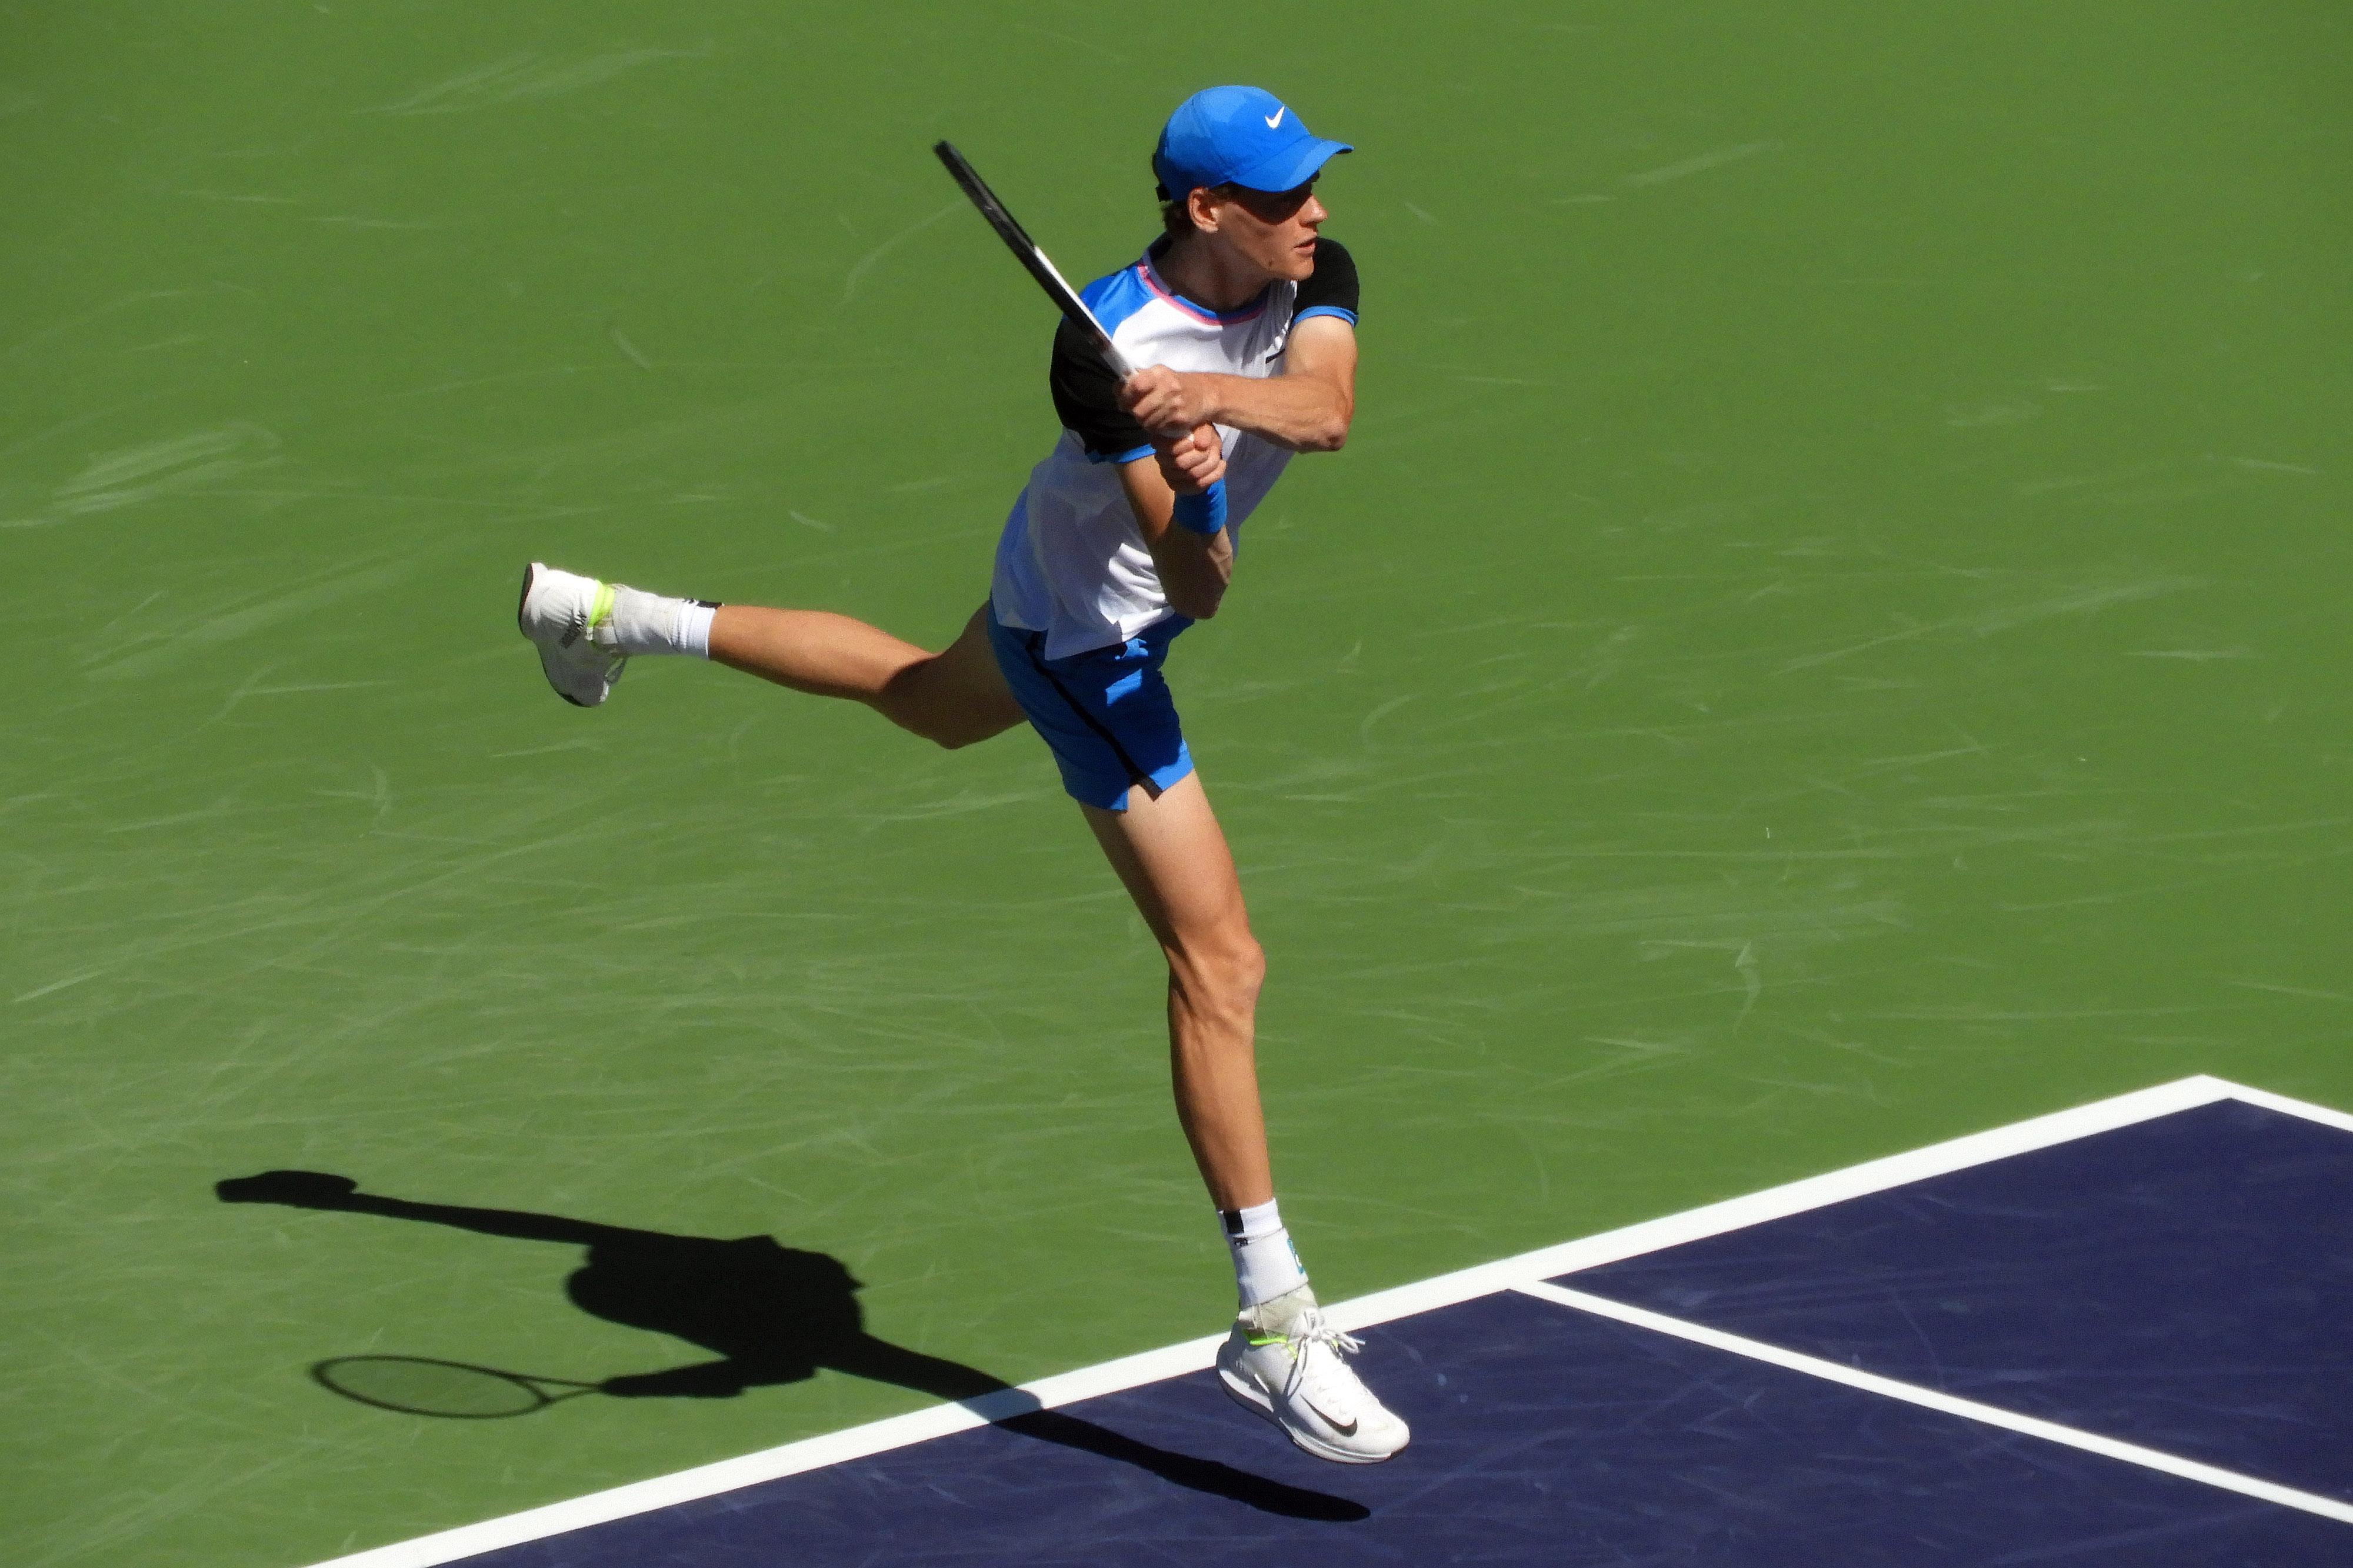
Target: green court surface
[{"x": 1829, "y": 634}]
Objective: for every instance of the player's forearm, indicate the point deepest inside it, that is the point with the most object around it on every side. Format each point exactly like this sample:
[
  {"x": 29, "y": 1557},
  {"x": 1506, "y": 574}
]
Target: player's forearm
[
  {"x": 1304, "y": 412},
  {"x": 1194, "y": 568}
]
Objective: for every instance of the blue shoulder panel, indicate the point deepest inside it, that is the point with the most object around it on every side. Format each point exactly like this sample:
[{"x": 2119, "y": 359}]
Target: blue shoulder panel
[{"x": 1116, "y": 295}]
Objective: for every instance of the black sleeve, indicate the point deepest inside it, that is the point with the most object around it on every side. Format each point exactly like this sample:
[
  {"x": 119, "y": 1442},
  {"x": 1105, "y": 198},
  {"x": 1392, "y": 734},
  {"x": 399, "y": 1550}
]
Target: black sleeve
[
  {"x": 1086, "y": 396},
  {"x": 1332, "y": 286}
]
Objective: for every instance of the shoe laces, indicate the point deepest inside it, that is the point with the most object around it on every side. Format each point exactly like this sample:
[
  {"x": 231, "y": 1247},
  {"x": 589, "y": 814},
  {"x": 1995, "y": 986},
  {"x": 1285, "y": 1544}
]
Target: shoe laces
[
  {"x": 1311, "y": 1327},
  {"x": 1326, "y": 1376}
]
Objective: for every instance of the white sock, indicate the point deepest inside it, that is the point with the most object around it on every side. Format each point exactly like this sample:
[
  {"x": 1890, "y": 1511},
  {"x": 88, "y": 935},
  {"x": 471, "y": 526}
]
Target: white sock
[
  {"x": 648, "y": 623},
  {"x": 1266, "y": 1264},
  {"x": 694, "y": 618}
]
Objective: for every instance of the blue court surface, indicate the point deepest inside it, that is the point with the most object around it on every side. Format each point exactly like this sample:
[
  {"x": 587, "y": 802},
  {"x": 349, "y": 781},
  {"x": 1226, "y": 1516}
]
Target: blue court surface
[{"x": 2119, "y": 1335}]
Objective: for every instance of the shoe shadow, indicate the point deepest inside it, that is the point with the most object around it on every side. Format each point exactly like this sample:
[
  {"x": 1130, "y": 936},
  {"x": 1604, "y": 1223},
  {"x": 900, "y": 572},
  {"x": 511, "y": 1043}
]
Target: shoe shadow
[{"x": 770, "y": 1314}]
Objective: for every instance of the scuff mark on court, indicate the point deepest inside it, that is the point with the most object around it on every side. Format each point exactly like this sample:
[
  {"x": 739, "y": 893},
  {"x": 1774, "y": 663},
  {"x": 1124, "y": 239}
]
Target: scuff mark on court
[{"x": 1700, "y": 164}]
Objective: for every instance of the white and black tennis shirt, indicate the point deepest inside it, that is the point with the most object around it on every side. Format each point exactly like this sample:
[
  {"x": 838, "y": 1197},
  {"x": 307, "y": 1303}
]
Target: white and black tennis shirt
[{"x": 1072, "y": 562}]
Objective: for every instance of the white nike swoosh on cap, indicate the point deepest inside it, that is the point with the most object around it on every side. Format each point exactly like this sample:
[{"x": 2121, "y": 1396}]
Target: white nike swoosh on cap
[{"x": 1279, "y": 111}]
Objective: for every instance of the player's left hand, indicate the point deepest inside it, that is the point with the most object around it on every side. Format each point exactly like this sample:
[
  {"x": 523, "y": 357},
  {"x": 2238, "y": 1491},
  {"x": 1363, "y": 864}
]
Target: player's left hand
[
  {"x": 1164, "y": 400},
  {"x": 1194, "y": 461}
]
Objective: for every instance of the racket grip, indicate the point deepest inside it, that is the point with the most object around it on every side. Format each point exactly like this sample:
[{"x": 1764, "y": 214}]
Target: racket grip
[{"x": 1204, "y": 513}]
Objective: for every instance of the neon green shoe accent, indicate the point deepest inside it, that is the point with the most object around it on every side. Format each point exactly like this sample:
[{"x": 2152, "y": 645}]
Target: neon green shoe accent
[
  {"x": 1259, "y": 1341},
  {"x": 601, "y": 610}
]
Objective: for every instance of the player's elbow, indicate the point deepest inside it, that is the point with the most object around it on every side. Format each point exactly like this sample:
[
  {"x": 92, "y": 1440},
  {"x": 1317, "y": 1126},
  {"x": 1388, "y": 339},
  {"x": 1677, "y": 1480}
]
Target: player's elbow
[
  {"x": 1199, "y": 606},
  {"x": 1329, "y": 431},
  {"x": 1198, "y": 596},
  {"x": 1324, "y": 437}
]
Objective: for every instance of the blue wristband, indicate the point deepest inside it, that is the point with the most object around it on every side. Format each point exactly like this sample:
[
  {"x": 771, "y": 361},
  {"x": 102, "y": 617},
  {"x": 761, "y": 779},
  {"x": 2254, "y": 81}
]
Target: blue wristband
[{"x": 1203, "y": 513}]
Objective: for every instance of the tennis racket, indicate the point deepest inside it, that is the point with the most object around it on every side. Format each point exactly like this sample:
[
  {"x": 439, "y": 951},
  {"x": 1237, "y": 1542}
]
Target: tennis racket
[
  {"x": 418, "y": 1385},
  {"x": 1025, "y": 250}
]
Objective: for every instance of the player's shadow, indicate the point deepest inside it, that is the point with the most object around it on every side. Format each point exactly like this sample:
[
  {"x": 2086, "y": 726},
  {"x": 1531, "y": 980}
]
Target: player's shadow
[{"x": 771, "y": 1314}]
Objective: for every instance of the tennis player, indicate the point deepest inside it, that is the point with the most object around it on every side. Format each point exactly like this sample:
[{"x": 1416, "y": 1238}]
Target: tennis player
[{"x": 1123, "y": 539}]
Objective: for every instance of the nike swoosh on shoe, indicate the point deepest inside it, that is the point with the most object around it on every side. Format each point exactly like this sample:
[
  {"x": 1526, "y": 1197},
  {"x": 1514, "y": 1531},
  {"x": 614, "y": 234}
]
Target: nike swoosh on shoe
[{"x": 1345, "y": 1429}]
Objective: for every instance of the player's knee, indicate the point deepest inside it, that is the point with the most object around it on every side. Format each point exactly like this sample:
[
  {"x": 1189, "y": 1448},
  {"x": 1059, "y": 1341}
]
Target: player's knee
[
  {"x": 951, "y": 737},
  {"x": 930, "y": 700},
  {"x": 968, "y": 727},
  {"x": 940, "y": 729},
  {"x": 1248, "y": 975},
  {"x": 1226, "y": 972},
  {"x": 920, "y": 704}
]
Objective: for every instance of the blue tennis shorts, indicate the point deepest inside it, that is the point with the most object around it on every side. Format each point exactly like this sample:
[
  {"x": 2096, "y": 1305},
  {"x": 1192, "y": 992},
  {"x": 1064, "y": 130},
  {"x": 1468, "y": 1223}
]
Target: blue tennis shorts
[{"x": 1106, "y": 712}]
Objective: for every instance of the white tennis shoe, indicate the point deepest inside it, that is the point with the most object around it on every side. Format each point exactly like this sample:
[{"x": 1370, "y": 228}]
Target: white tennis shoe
[
  {"x": 1284, "y": 1362},
  {"x": 559, "y": 612}
]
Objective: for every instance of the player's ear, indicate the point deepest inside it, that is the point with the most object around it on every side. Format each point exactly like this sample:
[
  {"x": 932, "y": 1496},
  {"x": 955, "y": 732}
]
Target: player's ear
[{"x": 1202, "y": 202}]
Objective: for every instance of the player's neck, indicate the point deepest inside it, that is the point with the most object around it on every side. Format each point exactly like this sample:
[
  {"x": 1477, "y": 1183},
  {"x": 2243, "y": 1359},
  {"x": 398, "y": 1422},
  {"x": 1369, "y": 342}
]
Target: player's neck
[{"x": 1208, "y": 274}]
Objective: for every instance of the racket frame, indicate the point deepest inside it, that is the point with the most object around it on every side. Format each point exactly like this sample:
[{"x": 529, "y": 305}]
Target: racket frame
[{"x": 1039, "y": 265}]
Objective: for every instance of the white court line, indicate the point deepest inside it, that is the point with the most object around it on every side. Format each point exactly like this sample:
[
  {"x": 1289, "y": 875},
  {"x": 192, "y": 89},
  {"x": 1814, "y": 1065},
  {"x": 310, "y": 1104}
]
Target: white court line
[
  {"x": 1382, "y": 1306},
  {"x": 1793, "y": 1197},
  {"x": 2282, "y": 1103},
  {"x": 1913, "y": 1393}
]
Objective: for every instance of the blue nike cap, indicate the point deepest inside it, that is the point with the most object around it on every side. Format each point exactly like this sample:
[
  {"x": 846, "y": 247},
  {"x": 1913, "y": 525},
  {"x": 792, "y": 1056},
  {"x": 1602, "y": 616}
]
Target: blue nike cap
[{"x": 1237, "y": 136}]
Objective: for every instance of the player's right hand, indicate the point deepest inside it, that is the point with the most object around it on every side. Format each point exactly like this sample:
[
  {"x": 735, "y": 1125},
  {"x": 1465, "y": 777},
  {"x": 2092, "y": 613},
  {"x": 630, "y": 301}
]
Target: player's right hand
[
  {"x": 1164, "y": 399},
  {"x": 1193, "y": 462}
]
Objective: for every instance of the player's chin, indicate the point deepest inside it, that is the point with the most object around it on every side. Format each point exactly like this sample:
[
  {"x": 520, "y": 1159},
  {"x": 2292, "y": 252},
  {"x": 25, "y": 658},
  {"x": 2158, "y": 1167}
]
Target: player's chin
[{"x": 1298, "y": 263}]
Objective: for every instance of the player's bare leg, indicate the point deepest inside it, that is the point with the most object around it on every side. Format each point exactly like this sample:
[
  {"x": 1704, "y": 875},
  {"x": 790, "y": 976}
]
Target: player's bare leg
[
  {"x": 955, "y": 697},
  {"x": 587, "y": 631},
  {"x": 1282, "y": 1359},
  {"x": 1173, "y": 857}
]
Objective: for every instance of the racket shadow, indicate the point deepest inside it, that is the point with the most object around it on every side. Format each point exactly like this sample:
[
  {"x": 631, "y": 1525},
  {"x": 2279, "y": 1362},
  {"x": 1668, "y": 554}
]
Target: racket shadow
[
  {"x": 769, "y": 1314},
  {"x": 451, "y": 1390}
]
